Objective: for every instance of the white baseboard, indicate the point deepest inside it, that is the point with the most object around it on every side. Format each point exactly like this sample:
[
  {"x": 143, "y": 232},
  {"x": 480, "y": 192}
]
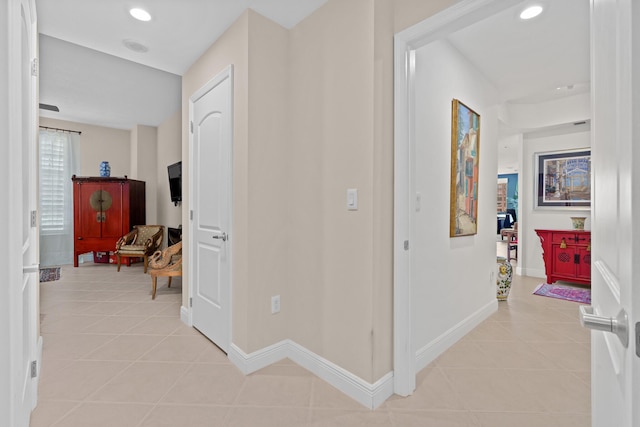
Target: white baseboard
[
  {"x": 248, "y": 363},
  {"x": 532, "y": 272},
  {"x": 185, "y": 316},
  {"x": 435, "y": 348},
  {"x": 369, "y": 395}
]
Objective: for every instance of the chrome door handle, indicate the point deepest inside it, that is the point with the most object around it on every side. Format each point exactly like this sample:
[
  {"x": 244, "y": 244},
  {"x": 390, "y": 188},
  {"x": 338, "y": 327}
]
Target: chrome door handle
[
  {"x": 619, "y": 325},
  {"x": 222, "y": 236}
]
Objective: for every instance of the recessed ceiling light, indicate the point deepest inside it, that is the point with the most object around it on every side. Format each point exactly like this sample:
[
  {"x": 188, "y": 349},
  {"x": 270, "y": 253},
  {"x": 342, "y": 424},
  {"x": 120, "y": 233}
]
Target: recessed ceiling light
[
  {"x": 140, "y": 14},
  {"x": 135, "y": 46},
  {"x": 531, "y": 12}
]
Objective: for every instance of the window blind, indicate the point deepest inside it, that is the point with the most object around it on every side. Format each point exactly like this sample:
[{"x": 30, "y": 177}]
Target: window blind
[{"x": 53, "y": 174}]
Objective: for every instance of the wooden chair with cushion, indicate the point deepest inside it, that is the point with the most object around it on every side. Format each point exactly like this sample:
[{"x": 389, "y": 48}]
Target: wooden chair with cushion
[
  {"x": 141, "y": 242},
  {"x": 513, "y": 232},
  {"x": 167, "y": 263}
]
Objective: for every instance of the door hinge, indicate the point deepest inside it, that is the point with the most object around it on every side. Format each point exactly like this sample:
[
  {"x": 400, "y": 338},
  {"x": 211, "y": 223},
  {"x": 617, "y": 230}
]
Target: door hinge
[
  {"x": 34, "y": 219},
  {"x": 406, "y": 245},
  {"x": 34, "y": 67},
  {"x": 34, "y": 369},
  {"x": 190, "y": 301},
  {"x": 638, "y": 339},
  {"x": 191, "y": 126},
  {"x": 191, "y": 215}
]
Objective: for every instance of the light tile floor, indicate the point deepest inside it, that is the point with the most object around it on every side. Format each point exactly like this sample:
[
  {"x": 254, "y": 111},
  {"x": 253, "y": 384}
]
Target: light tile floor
[{"x": 113, "y": 357}]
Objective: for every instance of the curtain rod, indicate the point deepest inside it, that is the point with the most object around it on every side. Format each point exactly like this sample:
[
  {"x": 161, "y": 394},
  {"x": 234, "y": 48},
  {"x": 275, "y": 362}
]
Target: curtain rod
[{"x": 63, "y": 130}]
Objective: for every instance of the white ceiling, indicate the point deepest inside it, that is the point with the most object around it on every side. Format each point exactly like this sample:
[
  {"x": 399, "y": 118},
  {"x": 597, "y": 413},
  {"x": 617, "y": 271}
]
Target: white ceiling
[
  {"x": 178, "y": 33},
  {"x": 89, "y": 74},
  {"x": 93, "y": 78},
  {"x": 530, "y": 62}
]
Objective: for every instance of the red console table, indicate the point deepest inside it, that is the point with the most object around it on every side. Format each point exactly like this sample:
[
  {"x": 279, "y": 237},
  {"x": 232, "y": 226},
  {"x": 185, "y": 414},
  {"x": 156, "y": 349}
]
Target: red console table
[{"x": 567, "y": 255}]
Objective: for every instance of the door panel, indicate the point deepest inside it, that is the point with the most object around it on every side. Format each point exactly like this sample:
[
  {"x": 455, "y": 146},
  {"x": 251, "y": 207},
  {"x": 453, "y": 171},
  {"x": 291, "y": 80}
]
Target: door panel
[
  {"x": 584, "y": 266},
  {"x": 615, "y": 109},
  {"x": 564, "y": 261},
  {"x": 211, "y": 145},
  {"x": 112, "y": 215},
  {"x": 209, "y": 274},
  {"x": 26, "y": 323},
  {"x": 88, "y": 220}
]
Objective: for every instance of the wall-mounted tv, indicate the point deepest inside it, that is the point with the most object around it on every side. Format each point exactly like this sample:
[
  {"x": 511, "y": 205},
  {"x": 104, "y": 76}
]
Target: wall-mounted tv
[{"x": 175, "y": 182}]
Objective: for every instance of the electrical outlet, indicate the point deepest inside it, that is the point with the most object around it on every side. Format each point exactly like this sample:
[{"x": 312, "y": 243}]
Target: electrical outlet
[{"x": 275, "y": 304}]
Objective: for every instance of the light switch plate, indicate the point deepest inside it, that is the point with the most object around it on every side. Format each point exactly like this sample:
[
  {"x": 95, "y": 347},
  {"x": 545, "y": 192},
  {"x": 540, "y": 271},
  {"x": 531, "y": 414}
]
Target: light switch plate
[{"x": 352, "y": 199}]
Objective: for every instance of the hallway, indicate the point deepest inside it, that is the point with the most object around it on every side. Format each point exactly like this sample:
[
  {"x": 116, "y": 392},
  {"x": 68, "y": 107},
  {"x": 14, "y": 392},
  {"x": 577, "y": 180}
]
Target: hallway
[{"x": 113, "y": 357}]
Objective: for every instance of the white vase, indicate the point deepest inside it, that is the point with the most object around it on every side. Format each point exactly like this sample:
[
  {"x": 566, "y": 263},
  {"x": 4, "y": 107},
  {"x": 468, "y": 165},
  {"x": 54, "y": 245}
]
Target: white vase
[
  {"x": 578, "y": 222},
  {"x": 504, "y": 275}
]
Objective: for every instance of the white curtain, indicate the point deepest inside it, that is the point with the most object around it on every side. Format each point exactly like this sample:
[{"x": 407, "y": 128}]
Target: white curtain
[{"x": 59, "y": 160}]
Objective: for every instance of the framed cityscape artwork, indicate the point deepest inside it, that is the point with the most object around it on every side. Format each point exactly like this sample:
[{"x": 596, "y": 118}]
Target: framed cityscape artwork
[
  {"x": 465, "y": 150},
  {"x": 563, "y": 179}
]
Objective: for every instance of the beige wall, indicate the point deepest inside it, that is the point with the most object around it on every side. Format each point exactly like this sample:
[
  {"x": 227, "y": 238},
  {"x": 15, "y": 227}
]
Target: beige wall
[
  {"x": 313, "y": 117},
  {"x": 144, "y": 166},
  {"x": 332, "y": 134},
  {"x": 267, "y": 177},
  {"x": 142, "y": 153},
  {"x": 97, "y": 144},
  {"x": 230, "y": 48},
  {"x": 383, "y": 190},
  {"x": 169, "y": 152}
]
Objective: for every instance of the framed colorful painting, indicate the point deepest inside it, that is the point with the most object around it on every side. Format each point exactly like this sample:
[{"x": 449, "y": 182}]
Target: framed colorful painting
[
  {"x": 563, "y": 179},
  {"x": 465, "y": 150}
]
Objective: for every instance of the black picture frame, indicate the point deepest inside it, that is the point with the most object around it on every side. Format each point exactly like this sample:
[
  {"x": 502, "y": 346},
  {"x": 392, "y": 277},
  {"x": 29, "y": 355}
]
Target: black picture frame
[{"x": 563, "y": 179}]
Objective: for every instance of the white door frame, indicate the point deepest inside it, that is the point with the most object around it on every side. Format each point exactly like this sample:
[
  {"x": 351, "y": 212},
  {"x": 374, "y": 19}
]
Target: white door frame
[
  {"x": 226, "y": 73},
  {"x": 406, "y": 42}
]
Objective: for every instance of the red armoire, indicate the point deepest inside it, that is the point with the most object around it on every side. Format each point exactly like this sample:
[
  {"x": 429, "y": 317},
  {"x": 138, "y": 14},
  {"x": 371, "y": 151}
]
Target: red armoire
[{"x": 105, "y": 209}]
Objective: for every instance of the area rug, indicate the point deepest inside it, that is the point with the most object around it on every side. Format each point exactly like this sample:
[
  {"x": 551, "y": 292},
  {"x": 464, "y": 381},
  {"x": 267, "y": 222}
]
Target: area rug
[
  {"x": 49, "y": 274},
  {"x": 568, "y": 293}
]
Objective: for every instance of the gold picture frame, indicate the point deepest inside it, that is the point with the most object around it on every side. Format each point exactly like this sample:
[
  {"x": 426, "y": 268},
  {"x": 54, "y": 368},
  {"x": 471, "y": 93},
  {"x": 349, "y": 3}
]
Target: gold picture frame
[{"x": 465, "y": 161}]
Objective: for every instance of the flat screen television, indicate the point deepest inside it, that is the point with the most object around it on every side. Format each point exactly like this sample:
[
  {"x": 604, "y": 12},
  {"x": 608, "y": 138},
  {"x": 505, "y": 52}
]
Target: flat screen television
[{"x": 175, "y": 182}]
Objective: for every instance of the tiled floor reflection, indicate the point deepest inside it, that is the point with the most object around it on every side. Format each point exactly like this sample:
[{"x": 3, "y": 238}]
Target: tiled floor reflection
[{"x": 113, "y": 357}]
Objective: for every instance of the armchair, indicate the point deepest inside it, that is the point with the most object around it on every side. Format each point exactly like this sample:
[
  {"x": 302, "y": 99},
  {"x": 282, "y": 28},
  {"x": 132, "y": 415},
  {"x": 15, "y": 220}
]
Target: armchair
[
  {"x": 166, "y": 263},
  {"x": 141, "y": 242}
]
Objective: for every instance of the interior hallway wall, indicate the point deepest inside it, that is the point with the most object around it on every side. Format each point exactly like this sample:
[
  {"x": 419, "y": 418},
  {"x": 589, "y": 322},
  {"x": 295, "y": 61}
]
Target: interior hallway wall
[
  {"x": 169, "y": 152},
  {"x": 230, "y": 49},
  {"x": 452, "y": 278},
  {"x": 564, "y": 139},
  {"x": 97, "y": 144},
  {"x": 144, "y": 166},
  {"x": 332, "y": 260},
  {"x": 336, "y": 279}
]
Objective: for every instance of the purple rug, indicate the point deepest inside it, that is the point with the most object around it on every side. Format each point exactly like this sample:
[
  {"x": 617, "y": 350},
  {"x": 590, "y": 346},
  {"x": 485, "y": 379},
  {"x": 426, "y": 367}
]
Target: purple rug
[{"x": 581, "y": 295}]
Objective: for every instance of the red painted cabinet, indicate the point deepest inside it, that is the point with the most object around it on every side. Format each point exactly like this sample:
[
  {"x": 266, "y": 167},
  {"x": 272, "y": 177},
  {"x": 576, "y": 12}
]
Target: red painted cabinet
[
  {"x": 104, "y": 210},
  {"x": 567, "y": 255}
]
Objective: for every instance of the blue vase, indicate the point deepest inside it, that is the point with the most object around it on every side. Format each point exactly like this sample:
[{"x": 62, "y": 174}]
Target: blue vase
[{"x": 105, "y": 169}]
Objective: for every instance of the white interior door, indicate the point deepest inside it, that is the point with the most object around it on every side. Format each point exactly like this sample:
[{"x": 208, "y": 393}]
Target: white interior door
[
  {"x": 615, "y": 367},
  {"x": 27, "y": 291},
  {"x": 211, "y": 144}
]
